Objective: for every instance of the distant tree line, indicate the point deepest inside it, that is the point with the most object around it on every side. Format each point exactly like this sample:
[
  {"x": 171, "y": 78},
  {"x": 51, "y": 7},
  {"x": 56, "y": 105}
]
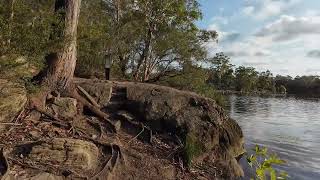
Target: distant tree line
[{"x": 225, "y": 76}]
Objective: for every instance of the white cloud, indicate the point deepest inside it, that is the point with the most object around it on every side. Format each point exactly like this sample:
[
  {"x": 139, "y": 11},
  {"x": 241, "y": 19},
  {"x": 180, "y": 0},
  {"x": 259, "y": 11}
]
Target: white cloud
[
  {"x": 220, "y": 20},
  {"x": 289, "y": 28},
  {"x": 263, "y": 9},
  {"x": 224, "y": 36},
  {"x": 283, "y": 45},
  {"x": 248, "y": 10}
]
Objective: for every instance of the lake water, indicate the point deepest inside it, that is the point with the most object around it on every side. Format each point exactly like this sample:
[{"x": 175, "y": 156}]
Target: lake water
[{"x": 289, "y": 127}]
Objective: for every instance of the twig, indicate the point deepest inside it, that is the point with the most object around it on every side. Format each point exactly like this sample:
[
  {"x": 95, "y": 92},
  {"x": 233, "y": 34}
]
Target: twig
[
  {"x": 11, "y": 124},
  {"x": 138, "y": 134},
  {"x": 56, "y": 121},
  {"x": 40, "y": 110},
  {"x": 89, "y": 97}
]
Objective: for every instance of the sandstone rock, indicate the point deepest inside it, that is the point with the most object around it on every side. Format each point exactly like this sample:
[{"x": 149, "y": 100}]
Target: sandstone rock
[
  {"x": 76, "y": 155},
  {"x": 64, "y": 107},
  {"x": 13, "y": 98},
  {"x": 217, "y": 139},
  {"x": 168, "y": 109},
  {"x": 187, "y": 114},
  {"x": 100, "y": 91}
]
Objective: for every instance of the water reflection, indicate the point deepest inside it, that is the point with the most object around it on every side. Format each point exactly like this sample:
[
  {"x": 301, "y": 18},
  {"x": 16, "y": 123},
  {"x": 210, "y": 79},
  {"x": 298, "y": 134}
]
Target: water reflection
[{"x": 288, "y": 126}]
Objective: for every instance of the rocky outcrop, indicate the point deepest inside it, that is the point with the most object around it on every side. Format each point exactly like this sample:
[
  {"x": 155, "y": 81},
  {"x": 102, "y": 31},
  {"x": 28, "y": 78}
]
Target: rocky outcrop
[
  {"x": 161, "y": 128},
  {"x": 203, "y": 125},
  {"x": 13, "y": 98},
  {"x": 209, "y": 136}
]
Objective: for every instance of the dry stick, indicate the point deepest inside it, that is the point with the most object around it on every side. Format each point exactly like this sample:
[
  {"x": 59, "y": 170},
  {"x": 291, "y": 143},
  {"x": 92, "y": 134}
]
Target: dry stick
[
  {"x": 138, "y": 134},
  {"x": 11, "y": 124},
  {"x": 89, "y": 97}
]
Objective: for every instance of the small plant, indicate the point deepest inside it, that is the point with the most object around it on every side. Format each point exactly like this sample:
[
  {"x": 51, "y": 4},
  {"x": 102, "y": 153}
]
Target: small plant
[
  {"x": 192, "y": 149},
  {"x": 262, "y": 162}
]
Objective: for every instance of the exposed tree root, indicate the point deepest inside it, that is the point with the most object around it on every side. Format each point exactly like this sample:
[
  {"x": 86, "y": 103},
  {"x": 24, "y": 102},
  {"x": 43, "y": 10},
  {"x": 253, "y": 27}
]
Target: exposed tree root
[
  {"x": 110, "y": 165},
  {"x": 114, "y": 125}
]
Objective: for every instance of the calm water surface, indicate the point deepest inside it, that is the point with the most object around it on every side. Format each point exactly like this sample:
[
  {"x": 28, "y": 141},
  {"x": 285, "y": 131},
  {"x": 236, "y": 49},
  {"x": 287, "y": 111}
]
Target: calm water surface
[{"x": 289, "y": 127}]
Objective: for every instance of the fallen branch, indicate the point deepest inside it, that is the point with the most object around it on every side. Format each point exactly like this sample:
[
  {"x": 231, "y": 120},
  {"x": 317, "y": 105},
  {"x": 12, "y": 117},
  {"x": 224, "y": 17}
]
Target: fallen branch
[
  {"x": 11, "y": 124},
  {"x": 89, "y": 97},
  {"x": 114, "y": 125}
]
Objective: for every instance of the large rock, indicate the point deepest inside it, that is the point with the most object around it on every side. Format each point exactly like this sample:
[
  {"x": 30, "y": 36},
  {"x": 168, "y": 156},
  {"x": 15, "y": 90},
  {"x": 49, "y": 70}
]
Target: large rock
[
  {"x": 13, "y": 98},
  {"x": 199, "y": 121},
  {"x": 209, "y": 135},
  {"x": 63, "y": 107},
  {"x": 73, "y": 154},
  {"x": 99, "y": 90}
]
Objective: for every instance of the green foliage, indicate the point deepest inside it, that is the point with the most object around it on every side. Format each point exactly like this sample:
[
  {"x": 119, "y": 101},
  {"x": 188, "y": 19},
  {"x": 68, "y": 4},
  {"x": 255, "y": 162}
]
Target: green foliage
[
  {"x": 246, "y": 79},
  {"x": 304, "y": 85},
  {"x": 263, "y": 164},
  {"x": 26, "y": 29},
  {"x": 93, "y": 38},
  {"x": 194, "y": 78},
  {"x": 221, "y": 71},
  {"x": 146, "y": 38},
  {"x": 192, "y": 148}
]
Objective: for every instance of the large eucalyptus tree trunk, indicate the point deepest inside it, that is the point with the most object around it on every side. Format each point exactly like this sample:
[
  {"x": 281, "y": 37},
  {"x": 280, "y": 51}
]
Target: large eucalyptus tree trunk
[{"x": 61, "y": 65}]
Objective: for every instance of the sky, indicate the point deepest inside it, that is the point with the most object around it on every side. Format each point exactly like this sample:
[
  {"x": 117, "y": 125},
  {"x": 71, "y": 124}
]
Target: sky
[{"x": 278, "y": 35}]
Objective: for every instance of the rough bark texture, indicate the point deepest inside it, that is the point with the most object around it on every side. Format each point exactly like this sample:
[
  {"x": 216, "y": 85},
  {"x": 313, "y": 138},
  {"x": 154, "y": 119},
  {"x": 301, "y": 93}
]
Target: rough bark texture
[{"x": 62, "y": 64}]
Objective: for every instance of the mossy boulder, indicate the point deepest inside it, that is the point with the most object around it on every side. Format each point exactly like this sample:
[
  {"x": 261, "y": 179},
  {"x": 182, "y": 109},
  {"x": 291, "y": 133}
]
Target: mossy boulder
[{"x": 209, "y": 135}]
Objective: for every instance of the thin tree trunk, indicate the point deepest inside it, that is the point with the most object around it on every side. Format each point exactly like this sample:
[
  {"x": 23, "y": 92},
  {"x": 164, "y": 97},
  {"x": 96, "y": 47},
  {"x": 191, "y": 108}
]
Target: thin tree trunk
[{"x": 145, "y": 54}]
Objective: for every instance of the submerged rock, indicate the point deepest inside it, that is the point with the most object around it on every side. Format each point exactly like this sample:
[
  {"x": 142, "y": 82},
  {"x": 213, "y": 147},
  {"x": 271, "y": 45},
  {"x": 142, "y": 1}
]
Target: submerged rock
[{"x": 13, "y": 97}]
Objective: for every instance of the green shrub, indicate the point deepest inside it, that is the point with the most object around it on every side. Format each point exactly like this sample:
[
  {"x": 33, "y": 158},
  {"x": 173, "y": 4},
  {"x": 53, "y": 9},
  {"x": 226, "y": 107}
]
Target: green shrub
[{"x": 263, "y": 163}]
